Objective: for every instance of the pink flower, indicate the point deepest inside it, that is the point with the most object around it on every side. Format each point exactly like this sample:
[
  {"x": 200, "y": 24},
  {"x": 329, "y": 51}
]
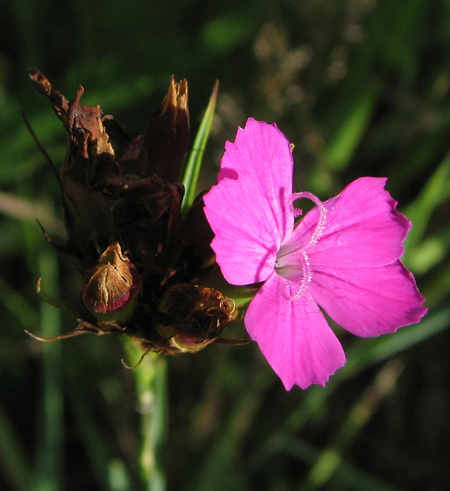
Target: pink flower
[{"x": 342, "y": 256}]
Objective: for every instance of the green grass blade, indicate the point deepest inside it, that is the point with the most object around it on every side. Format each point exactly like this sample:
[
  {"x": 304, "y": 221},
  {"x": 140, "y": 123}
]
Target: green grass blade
[
  {"x": 340, "y": 151},
  {"x": 349, "y": 476},
  {"x": 194, "y": 164},
  {"x": 50, "y": 441},
  {"x": 433, "y": 194},
  {"x": 439, "y": 288}
]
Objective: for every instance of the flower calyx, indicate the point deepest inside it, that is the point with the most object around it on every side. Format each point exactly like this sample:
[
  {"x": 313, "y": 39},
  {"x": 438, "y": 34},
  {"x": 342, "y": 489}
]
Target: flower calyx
[{"x": 111, "y": 289}]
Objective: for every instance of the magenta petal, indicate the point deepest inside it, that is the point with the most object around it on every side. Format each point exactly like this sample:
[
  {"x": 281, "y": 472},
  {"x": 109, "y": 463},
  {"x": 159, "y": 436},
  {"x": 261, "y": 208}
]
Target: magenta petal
[
  {"x": 248, "y": 209},
  {"x": 293, "y": 335},
  {"x": 362, "y": 228},
  {"x": 369, "y": 301}
]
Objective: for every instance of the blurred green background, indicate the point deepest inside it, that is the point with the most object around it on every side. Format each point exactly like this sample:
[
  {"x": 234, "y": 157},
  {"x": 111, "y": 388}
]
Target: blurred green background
[{"x": 361, "y": 87}]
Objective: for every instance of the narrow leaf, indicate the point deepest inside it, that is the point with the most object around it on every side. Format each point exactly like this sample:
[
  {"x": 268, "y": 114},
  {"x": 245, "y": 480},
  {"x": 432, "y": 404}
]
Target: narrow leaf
[{"x": 194, "y": 164}]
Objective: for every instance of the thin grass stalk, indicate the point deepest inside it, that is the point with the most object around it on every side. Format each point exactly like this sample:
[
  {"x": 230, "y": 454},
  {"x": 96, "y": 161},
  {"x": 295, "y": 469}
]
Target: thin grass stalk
[{"x": 333, "y": 457}]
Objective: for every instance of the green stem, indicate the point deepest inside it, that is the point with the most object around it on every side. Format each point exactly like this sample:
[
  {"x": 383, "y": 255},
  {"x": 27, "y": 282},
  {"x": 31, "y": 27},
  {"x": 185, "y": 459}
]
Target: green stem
[{"x": 151, "y": 388}]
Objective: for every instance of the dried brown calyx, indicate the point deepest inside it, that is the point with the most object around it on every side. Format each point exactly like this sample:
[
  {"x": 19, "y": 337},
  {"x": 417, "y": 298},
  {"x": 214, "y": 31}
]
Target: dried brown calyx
[
  {"x": 197, "y": 316},
  {"x": 111, "y": 288},
  {"x": 138, "y": 255}
]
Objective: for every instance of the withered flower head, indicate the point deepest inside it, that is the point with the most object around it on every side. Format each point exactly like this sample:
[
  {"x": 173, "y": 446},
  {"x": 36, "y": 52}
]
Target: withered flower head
[{"x": 141, "y": 261}]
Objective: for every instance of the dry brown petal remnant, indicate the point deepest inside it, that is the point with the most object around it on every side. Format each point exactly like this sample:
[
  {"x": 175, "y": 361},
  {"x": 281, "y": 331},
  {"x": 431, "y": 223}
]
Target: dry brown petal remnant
[{"x": 143, "y": 263}]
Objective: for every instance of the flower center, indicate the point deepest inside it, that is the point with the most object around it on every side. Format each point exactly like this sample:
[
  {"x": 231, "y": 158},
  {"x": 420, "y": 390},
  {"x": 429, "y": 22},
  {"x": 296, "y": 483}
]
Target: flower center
[{"x": 292, "y": 259}]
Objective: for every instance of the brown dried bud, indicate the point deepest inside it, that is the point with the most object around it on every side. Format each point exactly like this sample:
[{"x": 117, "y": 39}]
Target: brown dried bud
[
  {"x": 166, "y": 139},
  {"x": 112, "y": 286},
  {"x": 199, "y": 316}
]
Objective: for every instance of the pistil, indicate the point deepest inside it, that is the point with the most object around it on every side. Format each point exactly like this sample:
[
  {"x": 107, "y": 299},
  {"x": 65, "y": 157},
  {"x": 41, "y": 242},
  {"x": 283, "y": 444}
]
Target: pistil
[{"x": 292, "y": 259}]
